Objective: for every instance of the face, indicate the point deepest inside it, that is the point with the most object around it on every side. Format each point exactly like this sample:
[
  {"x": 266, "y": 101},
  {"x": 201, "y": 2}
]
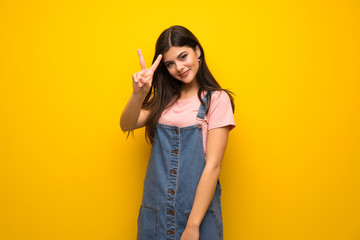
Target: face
[{"x": 182, "y": 63}]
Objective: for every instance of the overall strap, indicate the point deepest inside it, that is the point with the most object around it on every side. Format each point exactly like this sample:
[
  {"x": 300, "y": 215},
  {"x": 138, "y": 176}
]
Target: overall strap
[{"x": 202, "y": 109}]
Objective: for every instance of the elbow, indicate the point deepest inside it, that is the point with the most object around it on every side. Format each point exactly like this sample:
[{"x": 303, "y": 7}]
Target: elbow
[
  {"x": 124, "y": 125},
  {"x": 214, "y": 168},
  {"x": 125, "y": 128}
]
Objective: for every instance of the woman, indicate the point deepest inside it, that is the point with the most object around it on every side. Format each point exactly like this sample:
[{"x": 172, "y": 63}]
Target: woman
[{"x": 187, "y": 116}]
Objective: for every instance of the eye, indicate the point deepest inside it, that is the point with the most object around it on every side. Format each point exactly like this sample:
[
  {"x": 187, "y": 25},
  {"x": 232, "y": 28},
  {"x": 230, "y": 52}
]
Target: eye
[
  {"x": 183, "y": 56},
  {"x": 168, "y": 65}
]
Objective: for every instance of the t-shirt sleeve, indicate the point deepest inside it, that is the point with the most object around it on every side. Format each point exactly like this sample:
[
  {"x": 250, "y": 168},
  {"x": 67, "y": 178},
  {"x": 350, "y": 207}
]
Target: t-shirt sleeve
[{"x": 220, "y": 112}]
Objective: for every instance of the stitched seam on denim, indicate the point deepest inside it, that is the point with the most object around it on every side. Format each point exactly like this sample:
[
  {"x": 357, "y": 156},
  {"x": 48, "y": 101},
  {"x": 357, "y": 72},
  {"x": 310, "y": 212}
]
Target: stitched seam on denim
[
  {"x": 216, "y": 221},
  {"x": 167, "y": 185},
  {"x": 154, "y": 209},
  {"x": 156, "y": 225},
  {"x": 168, "y": 174},
  {"x": 178, "y": 160},
  {"x": 150, "y": 207}
]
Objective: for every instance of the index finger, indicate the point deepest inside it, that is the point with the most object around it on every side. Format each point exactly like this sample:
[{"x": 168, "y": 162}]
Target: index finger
[
  {"x": 141, "y": 58},
  {"x": 156, "y": 63}
]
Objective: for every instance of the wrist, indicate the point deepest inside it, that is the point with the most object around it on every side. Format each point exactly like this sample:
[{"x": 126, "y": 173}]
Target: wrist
[
  {"x": 138, "y": 96},
  {"x": 192, "y": 224}
]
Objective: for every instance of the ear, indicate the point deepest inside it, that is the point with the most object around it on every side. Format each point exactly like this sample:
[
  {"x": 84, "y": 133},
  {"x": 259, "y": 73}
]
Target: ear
[{"x": 198, "y": 51}]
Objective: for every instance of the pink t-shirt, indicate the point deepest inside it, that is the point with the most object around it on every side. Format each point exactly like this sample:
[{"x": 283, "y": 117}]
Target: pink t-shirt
[{"x": 184, "y": 112}]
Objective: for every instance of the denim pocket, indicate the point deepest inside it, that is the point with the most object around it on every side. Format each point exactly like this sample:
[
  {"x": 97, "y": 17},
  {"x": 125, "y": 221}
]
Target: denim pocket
[
  {"x": 147, "y": 223},
  {"x": 210, "y": 227}
]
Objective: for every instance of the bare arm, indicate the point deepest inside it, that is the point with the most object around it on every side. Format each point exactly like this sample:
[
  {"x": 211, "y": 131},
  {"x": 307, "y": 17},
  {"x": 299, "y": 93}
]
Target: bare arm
[
  {"x": 133, "y": 116},
  {"x": 217, "y": 141}
]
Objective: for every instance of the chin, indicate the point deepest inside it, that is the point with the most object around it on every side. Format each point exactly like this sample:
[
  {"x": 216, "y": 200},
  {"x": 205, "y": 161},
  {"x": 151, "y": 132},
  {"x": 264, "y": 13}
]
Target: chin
[{"x": 187, "y": 79}]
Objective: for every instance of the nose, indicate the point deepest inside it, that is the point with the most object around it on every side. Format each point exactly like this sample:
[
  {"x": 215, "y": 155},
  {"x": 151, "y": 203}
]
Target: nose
[{"x": 179, "y": 67}]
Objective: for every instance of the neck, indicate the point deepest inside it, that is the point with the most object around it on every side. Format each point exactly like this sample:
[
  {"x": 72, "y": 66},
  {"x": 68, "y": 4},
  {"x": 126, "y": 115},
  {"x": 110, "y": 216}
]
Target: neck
[{"x": 188, "y": 90}]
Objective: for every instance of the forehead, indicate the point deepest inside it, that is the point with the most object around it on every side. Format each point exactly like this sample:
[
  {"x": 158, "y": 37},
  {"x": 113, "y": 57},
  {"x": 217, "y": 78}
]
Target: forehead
[{"x": 174, "y": 52}]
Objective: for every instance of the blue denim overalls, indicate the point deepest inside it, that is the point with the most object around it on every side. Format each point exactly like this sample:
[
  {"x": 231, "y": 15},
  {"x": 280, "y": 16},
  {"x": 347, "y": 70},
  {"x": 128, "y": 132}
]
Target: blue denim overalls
[{"x": 174, "y": 169}]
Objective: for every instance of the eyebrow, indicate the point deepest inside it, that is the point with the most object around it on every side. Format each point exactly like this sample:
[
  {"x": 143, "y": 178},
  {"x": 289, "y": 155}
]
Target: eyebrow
[{"x": 177, "y": 57}]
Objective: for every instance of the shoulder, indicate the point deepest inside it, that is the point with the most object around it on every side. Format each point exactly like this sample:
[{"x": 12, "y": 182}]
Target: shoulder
[
  {"x": 220, "y": 101},
  {"x": 220, "y": 96},
  {"x": 220, "y": 112}
]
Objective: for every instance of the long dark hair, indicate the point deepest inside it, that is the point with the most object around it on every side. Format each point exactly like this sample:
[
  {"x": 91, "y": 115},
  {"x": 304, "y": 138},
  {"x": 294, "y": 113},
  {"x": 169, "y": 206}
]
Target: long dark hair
[{"x": 165, "y": 87}]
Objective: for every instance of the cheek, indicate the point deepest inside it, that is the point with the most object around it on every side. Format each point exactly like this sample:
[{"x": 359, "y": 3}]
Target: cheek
[
  {"x": 194, "y": 62},
  {"x": 172, "y": 71},
  {"x": 189, "y": 61}
]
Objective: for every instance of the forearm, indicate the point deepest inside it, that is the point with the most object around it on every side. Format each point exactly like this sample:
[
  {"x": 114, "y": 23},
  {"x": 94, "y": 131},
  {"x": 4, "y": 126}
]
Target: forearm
[
  {"x": 216, "y": 144},
  {"x": 204, "y": 194},
  {"x": 130, "y": 115}
]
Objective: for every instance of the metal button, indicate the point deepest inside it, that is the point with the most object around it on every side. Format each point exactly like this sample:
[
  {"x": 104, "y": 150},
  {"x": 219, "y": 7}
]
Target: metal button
[
  {"x": 171, "y": 212},
  {"x": 173, "y": 171},
  {"x": 199, "y": 126},
  {"x": 175, "y": 151},
  {"x": 172, "y": 192},
  {"x": 172, "y": 232},
  {"x": 176, "y": 131}
]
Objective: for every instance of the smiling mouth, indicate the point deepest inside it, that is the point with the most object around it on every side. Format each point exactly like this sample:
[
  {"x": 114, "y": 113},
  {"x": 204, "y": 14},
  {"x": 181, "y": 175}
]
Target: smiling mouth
[{"x": 184, "y": 73}]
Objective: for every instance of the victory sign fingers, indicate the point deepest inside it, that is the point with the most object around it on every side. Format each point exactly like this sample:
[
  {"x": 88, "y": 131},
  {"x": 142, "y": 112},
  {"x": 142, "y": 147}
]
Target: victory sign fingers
[
  {"x": 144, "y": 76},
  {"x": 141, "y": 59},
  {"x": 156, "y": 63}
]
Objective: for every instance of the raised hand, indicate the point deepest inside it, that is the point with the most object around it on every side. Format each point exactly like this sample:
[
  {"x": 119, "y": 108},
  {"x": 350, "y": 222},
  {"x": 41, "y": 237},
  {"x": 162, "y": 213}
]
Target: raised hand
[{"x": 142, "y": 80}]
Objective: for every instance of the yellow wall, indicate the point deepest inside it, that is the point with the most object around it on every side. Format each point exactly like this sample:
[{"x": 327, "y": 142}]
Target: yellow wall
[{"x": 291, "y": 169}]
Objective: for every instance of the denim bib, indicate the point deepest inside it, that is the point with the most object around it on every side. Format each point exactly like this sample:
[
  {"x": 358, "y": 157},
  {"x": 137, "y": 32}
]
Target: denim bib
[{"x": 173, "y": 172}]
